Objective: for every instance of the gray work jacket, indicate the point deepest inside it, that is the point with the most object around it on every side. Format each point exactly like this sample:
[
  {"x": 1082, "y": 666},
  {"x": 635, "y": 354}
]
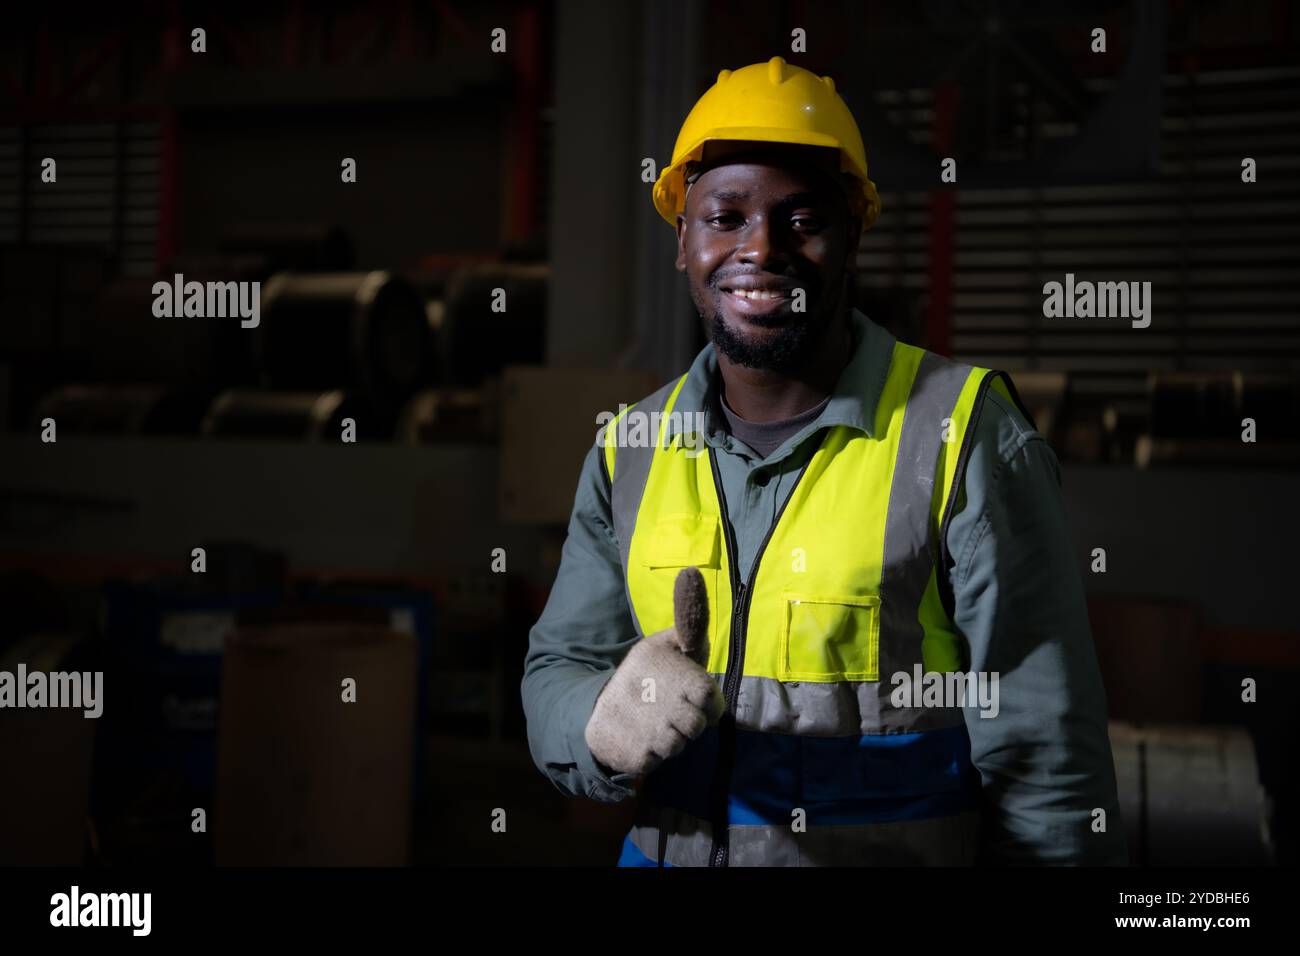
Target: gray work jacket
[{"x": 1045, "y": 760}]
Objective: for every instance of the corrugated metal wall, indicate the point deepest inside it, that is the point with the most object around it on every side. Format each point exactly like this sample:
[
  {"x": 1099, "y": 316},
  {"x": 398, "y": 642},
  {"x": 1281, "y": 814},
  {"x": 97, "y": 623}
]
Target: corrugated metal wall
[
  {"x": 1223, "y": 256},
  {"x": 106, "y": 194}
]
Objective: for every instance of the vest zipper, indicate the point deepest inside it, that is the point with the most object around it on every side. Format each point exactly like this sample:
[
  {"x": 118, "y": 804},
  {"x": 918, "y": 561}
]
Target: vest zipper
[{"x": 741, "y": 592}]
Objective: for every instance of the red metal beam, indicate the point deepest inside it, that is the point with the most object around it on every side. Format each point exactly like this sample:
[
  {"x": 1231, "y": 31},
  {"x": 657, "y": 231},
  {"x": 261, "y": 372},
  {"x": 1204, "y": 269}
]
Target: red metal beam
[
  {"x": 241, "y": 50},
  {"x": 174, "y": 49},
  {"x": 13, "y": 88},
  {"x": 361, "y": 42},
  {"x": 405, "y": 30},
  {"x": 41, "y": 64},
  {"x": 450, "y": 18},
  {"x": 167, "y": 194},
  {"x": 173, "y": 42},
  {"x": 107, "y": 50},
  {"x": 293, "y": 34},
  {"x": 524, "y": 134}
]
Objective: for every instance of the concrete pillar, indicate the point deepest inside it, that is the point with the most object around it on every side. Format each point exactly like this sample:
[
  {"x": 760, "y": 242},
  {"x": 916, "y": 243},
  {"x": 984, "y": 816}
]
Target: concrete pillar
[{"x": 625, "y": 78}]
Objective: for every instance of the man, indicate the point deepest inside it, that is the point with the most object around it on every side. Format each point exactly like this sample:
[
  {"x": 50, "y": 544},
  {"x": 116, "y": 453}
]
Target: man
[{"x": 742, "y": 634}]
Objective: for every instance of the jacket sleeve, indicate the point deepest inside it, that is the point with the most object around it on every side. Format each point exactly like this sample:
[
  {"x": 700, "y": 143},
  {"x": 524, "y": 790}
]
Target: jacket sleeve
[
  {"x": 1045, "y": 758},
  {"x": 584, "y": 632}
]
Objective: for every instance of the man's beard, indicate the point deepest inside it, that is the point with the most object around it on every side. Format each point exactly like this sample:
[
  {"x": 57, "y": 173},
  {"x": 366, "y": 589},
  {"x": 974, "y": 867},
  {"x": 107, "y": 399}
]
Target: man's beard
[{"x": 784, "y": 351}]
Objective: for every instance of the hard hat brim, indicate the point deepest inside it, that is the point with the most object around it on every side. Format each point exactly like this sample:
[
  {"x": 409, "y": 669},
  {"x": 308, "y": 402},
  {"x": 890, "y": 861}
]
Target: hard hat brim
[{"x": 670, "y": 193}]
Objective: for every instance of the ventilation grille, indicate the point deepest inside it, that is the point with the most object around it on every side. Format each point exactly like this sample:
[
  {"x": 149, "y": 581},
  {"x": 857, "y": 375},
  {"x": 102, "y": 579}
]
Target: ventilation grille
[
  {"x": 106, "y": 194},
  {"x": 1222, "y": 256}
]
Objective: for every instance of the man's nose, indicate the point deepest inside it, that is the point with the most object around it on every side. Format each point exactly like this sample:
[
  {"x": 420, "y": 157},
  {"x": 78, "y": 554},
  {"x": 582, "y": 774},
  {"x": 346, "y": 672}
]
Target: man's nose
[{"x": 758, "y": 244}]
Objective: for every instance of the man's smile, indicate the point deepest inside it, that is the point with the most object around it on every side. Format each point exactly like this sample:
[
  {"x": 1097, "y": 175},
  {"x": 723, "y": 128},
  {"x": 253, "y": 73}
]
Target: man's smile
[{"x": 752, "y": 295}]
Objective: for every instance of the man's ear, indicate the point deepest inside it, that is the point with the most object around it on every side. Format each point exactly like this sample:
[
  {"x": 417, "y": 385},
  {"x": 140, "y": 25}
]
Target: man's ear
[
  {"x": 854, "y": 235},
  {"x": 854, "y": 238},
  {"x": 681, "y": 249}
]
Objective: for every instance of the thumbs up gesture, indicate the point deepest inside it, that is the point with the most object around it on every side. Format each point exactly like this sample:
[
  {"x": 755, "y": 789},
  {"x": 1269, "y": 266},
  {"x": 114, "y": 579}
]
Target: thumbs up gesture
[{"x": 660, "y": 697}]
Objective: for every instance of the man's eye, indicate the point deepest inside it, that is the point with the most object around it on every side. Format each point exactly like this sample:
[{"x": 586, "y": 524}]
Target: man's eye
[
  {"x": 723, "y": 218},
  {"x": 807, "y": 223}
]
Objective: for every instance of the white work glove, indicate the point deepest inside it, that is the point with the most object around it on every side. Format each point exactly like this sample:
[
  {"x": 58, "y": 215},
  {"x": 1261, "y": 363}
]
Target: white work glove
[{"x": 635, "y": 725}]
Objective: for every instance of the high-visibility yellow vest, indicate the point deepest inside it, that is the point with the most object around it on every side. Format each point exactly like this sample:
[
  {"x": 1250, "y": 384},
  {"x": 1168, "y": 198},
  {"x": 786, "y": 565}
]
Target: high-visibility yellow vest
[{"x": 813, "y": 764}]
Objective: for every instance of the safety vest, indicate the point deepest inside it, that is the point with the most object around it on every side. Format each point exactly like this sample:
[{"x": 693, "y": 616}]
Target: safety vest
[{"x": 812, "y": 763}]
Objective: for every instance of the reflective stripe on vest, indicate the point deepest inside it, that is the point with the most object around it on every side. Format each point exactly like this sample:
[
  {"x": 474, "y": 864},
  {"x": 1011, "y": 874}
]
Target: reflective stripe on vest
[
  {"x": 844, "y": 596},
  {"x": 679, "y": 839}
]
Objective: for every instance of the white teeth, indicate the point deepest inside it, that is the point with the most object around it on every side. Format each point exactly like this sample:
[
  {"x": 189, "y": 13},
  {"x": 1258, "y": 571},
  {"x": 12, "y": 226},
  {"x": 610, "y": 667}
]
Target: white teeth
[{"x": 758, "y": 293}]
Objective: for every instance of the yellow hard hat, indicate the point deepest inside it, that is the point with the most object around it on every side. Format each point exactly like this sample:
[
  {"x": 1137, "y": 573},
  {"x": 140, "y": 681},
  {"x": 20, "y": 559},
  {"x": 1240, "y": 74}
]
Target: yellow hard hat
[{"x": 772, "y": 102}]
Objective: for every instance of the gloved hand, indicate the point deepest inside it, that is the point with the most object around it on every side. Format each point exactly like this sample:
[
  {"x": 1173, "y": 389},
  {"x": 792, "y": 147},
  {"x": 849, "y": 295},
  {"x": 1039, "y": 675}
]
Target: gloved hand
[{"x": 632, "y": 731}]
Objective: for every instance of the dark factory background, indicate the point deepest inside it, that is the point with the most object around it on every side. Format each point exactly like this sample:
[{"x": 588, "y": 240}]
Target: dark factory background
[{"x": 521, "y": 170}]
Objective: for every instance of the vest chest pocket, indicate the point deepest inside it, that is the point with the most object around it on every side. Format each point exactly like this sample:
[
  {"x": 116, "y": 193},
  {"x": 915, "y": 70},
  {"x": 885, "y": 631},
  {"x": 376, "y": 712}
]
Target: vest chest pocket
[
  {"x": 830, "y": 638},
  {"x": 679, "y": 541}
]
